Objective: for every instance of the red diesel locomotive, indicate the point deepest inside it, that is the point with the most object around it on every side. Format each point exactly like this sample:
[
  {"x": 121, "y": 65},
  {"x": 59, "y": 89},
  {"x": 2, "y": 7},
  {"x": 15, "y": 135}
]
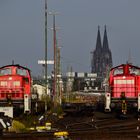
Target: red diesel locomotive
[
  {"x": 124, "y": 88},
  {"x": 15, "y": 86}
]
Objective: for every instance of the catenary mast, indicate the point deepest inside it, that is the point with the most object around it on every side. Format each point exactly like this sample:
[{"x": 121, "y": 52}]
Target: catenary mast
[{"x": 46, "y": 45}]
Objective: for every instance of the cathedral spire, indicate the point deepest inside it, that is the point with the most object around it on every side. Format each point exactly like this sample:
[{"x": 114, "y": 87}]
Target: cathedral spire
[
  {"x": 105, "y": 41},
  {"x": 102, "y": 57},
  {"x": 98, "y": 41}
]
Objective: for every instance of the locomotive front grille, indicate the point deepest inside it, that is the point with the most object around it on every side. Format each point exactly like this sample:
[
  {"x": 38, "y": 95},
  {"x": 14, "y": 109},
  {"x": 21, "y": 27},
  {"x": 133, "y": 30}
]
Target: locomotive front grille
[
  {"x": 124, "y": 81},
  {"x": 126, "y": 86}
]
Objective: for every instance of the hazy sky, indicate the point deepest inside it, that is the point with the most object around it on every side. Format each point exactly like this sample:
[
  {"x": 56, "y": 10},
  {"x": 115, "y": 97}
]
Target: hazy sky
[{"x": 22, "y": 31}]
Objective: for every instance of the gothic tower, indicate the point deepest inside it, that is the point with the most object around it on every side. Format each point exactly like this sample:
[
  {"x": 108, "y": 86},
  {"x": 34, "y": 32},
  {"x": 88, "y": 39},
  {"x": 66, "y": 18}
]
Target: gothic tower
[
  {"x": 102, "y": 57},
  {"x": 106, "y": 54},
  {"x": 96, "y": 59}
]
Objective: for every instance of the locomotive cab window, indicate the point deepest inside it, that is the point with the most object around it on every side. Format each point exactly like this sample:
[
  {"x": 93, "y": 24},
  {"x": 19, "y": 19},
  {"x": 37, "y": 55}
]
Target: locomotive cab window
[
  {"x": 6, "y": 71},
  {"x": 118, "y": 71},
  {"x": 21, "y": 72},
  {"x": 134, "y": 70}
]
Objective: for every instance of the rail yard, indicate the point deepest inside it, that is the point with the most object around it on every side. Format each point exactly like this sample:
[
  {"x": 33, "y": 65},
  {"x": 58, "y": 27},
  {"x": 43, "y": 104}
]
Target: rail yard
[
  {"x": 97, "y": 126},
  {"x": 87, "y": 114},
  {"x": 59, "y": 103}
]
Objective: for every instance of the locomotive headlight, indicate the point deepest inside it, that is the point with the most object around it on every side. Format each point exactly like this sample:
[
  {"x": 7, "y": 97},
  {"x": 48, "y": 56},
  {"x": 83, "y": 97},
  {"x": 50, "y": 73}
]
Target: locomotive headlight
[
  {"x": 3, "y": 83},
  {"x": 16, "y": 83},
  {"x": 135, "y": 105},
  {"x": 10, "y": 78},
  {"x": 124, "y": 77}
]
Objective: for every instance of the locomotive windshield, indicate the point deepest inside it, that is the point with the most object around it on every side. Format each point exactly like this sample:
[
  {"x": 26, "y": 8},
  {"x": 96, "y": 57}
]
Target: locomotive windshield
[
  {"x": 6, "y": 71},
  {"x": 118, "y": 71},
  {"x": 134, "y": 70},
  {"x": 22, "y": 72}
]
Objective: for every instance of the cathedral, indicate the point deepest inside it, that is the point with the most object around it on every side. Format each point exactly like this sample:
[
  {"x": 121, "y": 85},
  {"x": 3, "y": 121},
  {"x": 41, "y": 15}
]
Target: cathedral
[{"x": 101, "y": 57}]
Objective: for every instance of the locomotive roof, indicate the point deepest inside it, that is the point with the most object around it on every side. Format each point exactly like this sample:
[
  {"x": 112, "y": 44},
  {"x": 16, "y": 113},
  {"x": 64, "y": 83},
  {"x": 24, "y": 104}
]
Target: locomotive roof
[
  {"x": 15, "y": 65},
  {"x": 124, "y": 65}
]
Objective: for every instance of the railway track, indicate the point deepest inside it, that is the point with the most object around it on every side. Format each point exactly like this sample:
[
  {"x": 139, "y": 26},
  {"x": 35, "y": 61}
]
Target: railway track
[
  {"x": 100, "y": 123},
  {"x": 100, "y": 126}
]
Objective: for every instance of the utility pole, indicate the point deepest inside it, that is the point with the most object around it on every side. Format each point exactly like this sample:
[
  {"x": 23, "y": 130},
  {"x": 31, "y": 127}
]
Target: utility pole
[
  {"x": 46, "y": 46},
  {"x": 55, "y": 61},
  {"x": 59, "y": 80},
  {"x": 54, "y": 68}
]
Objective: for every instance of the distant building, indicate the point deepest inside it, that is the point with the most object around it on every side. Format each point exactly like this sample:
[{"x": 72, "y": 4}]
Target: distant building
[
  {"x": 40, "y": 90},
  {"x": 101, "y": 57},
  {"x": 76, "y": 81}
]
